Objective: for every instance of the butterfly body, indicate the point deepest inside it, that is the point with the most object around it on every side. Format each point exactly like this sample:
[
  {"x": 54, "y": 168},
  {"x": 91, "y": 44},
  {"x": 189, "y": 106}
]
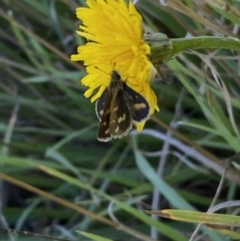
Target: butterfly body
[{"x": 118, "y": 108}]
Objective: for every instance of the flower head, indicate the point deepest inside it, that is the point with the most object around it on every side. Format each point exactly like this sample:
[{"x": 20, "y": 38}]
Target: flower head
[{"x": 114, "y": 33}]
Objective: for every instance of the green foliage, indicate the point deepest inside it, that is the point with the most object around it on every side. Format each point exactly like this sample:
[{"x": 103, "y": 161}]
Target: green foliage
[{"x": 64, "y": 179}]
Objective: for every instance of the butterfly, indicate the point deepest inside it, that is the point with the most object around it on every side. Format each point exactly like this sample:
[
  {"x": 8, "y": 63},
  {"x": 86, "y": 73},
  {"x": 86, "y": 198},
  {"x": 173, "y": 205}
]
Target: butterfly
[{"x": 118, "y": 108}]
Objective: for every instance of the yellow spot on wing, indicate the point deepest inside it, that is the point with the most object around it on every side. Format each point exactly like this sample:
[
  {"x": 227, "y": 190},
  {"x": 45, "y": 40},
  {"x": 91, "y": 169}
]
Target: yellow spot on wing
[
  {"x": 140, "y": 106},
  {"x": 117, "y": 129},
  {"x": 122, "y": 118}
]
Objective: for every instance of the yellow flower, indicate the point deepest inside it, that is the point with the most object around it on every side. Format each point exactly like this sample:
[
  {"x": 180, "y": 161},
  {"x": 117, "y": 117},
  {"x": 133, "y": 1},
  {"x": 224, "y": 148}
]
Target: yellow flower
[{"x": 114, "y": 33}]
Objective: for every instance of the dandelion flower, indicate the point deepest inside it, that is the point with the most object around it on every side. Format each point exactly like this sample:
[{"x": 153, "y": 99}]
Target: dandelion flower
[{"x": 114, "y": 34}]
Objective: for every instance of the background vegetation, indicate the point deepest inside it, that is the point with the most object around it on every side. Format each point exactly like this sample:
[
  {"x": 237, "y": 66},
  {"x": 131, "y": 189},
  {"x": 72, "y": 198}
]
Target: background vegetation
[{"x": 56, "y": 177}]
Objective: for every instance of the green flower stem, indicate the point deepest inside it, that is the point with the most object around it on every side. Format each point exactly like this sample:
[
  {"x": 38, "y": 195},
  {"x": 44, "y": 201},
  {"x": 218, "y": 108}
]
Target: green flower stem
[
  {"x": 163, "y": 48},
  {"x": 206, "y": 42}
]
